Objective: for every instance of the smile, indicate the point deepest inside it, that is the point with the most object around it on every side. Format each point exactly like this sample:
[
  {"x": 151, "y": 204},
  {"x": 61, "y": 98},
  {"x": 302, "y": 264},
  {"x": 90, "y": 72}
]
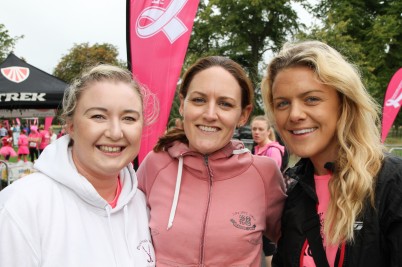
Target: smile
[
  {"x": 208, "y": 129},
  {"x": 304, "y": 131},
  {"x": 110, "y": 149}
]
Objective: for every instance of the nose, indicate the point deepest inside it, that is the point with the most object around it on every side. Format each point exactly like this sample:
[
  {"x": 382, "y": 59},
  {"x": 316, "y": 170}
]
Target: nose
[
  {"x": 210, "y": 112},
  {"x": 297, "y": 112},
  {"x": 114, "y": 130}
]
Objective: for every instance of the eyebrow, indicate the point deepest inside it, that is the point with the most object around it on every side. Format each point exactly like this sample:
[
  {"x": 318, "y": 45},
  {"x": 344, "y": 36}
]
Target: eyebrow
[
  {"x": 301, "y": 94},
  {"x": 105, "y": 110},
  {"x": 204, "y": 95}
]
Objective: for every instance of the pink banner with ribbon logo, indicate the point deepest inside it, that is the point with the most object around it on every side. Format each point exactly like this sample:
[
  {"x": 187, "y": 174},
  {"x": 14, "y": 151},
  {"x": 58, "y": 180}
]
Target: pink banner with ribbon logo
[
  {"x": 158, "y": 36},
  {"x": 392, "y": 103}
]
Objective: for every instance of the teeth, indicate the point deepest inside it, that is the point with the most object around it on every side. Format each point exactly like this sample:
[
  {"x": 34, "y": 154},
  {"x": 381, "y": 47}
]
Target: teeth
[
  {"x": 110, "y": 149},
  {"x": 208, "y": 129},
  {"x": 303, "y": 131}
]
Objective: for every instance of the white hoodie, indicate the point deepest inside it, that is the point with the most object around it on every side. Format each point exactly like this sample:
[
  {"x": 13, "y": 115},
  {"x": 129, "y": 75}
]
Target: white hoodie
[{"x": 55, "y": 217}]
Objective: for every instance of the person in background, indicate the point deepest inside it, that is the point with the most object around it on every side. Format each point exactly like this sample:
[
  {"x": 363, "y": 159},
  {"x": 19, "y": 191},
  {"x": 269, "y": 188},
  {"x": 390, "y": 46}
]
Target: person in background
[
  {"x": 23, "y": 149},
  {"x": 264, "y": 137},
  {"x": 344, "y": 199},
  {"x": 210, "y": 199},
  {"x": 16, "y": 134},
  {"x": 82, "y": 206},
  {"x": 7, "y": 149},
  {"x": 34, "y": 139},
  {"x": 44, "y": 138},
  {"x": 3, "y": 130},
  {"x": 52, "y": 135}
]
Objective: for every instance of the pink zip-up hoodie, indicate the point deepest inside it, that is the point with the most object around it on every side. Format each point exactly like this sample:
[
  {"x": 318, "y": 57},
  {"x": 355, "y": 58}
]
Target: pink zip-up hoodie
[{"x": 211, "y": 210}]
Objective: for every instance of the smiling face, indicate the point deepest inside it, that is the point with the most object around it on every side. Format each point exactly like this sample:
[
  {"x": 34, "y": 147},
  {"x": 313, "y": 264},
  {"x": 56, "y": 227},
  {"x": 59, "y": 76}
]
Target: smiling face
[
  {"x": 306, "y": 113},
  {"x": 212, "y": 110},
  {"x": 106, "y": 129}
]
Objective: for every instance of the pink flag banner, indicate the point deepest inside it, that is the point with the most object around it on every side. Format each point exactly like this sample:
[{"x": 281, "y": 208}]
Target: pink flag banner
[
  {"x": 392, "y": 103},
  {"x": 158, "y": 36},
  {"x": 48, "y": 122}
]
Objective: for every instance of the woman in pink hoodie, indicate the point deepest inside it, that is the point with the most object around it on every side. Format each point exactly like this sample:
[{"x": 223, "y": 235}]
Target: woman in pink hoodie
[{"x": 210, "y": 199}]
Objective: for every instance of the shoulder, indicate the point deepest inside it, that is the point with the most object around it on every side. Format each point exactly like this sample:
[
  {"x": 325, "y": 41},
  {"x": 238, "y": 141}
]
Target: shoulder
[
  {"x": 389, "y": 190},
  {"x": 154, "y": 161},
  {"x": 150, "y": 168},
  {"x": 263, "y": 162},
  {"x": 391, "y": 171},
  {"x": 28, "y": 194}
]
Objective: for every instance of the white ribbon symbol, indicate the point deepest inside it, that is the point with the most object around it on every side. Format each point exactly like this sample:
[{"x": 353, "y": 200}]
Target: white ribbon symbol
[
  {"x": 162, "y": 20},
  {"x": 396, "y": 98}
]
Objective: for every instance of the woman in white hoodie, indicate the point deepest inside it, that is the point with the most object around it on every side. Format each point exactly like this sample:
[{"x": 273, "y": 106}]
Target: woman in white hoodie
[{"x": 82, "y": 206}]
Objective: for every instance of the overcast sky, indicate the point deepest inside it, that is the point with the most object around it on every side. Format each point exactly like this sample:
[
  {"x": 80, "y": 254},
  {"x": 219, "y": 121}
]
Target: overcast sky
[{"x": 52, "y": 27}]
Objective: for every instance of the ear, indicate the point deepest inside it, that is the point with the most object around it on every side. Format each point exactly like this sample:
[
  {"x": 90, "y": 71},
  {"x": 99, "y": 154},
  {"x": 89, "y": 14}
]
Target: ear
[
  {"x": 181, "y": 108},
  {"x": 69, "y": 127},
  {"x": 245, "y": 114}
]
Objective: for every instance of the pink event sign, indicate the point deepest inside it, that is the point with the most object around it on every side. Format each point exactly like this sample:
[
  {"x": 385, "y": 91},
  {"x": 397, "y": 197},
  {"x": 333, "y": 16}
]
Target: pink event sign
[
  {"x": 392, "y": 103},
  {"x": 158, "y": 36}
]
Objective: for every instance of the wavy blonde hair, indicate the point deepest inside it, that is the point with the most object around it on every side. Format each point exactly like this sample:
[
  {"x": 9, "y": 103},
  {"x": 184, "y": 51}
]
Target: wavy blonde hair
[{"x": 361, "y": 152}]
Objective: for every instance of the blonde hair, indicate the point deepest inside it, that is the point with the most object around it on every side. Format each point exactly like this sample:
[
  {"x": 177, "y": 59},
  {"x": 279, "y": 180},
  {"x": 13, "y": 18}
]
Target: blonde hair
[
  {"x": 271, "y": 134},
  {"x": 105, "y": 72},
  {"x": 361, "y": 152}
]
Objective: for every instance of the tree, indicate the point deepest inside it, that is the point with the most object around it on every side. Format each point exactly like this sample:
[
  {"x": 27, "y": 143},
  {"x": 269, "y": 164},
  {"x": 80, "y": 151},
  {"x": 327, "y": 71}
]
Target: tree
[
  {"x": 369, "y": 33},
  {"x": 243, "y": 30},
  {"x": 82, "y": 56},
  {"x": 7, "y": 42}
]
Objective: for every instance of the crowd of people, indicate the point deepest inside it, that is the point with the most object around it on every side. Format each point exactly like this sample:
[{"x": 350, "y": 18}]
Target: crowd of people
[
  {"x": 21, "y": 142},
  {"x": 201, "y": 198}
]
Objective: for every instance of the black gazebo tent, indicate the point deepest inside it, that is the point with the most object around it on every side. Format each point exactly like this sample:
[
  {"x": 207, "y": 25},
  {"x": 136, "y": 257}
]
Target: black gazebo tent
[{"x": 23, "y": 86}]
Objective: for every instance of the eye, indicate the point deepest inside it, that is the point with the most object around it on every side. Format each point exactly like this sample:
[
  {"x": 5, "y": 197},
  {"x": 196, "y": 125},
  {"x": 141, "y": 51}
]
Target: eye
[
  {"x": 198, "y": 100},
  {"x": 281, "y": 104},
  {"x": 130, "y": 118},
  {"x": 225, "y": 104},
  {"x": 98, "y": 117},
  {"x": 312, "y": 100}
]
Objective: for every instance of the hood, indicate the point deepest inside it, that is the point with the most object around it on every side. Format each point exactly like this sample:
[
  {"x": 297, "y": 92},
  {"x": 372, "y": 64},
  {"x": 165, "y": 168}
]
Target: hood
[
  {"x": 279, "y": 146},
  {"x": 56, "y": 162},
  {"x": 218, "y": 162}
]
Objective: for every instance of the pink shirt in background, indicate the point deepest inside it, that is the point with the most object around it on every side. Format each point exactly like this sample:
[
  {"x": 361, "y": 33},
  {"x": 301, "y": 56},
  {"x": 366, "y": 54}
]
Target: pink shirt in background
[
  {"x": 321, "y": 187},
  {"x": 45, "y": 139},
  {"x": 273, "y": 150},
  {"x": 34, "y": 136}
]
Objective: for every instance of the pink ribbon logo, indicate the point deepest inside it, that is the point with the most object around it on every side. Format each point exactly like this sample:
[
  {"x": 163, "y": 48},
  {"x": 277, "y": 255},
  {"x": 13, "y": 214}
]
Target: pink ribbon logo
[
  {"x": 396, "y": 97},
  {"x": 161, "y": 19}
]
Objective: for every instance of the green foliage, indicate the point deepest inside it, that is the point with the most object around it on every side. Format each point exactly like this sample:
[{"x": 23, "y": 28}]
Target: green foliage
[
  {"x": 243, "y": 30},
  {"x": 7, "y": 42},
  {"x": 82, "y": 56},
  {"x": 369, "y": 33}
]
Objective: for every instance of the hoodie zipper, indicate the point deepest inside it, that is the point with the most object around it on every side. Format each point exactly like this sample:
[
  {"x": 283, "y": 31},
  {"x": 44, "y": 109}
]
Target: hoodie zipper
[{"x": 206, "y": 211}]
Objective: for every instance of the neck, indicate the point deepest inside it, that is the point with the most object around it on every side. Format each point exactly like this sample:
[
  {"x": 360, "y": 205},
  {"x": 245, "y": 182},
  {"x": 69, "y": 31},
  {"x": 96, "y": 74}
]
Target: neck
[{"x": 263, "y": 143}]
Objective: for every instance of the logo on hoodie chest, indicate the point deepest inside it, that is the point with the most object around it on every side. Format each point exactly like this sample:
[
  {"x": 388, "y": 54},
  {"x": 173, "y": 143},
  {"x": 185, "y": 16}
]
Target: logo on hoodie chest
[
  {"x": 243, "y": 220},
  {"x": 146, "y": 247}
]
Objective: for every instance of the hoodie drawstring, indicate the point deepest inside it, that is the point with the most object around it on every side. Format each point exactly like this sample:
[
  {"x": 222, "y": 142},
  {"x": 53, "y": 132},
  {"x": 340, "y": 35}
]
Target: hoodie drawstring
[
  {"x": 240, "y": 151},
  {"x": 108, "y": 209},
  {"x": 126, "y": 230},
  {"x": 176, "y": 193}
]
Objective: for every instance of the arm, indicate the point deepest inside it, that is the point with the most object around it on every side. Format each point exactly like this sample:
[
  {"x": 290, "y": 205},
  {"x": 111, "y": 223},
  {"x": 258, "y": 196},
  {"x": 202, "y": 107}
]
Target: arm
[{"x": 391, "y": 219}]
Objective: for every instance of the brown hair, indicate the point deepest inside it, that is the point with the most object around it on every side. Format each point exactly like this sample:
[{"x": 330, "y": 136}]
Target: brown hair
[{"x": 247, "y": 92}]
